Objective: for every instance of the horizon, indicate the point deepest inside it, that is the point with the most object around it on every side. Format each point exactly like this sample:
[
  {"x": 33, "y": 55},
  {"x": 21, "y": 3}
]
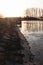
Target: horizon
[{"x": 12, "y": 8}]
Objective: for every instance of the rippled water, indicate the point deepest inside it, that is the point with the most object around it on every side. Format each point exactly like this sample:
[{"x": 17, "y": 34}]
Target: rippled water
[{"x": 36, "y": 43}]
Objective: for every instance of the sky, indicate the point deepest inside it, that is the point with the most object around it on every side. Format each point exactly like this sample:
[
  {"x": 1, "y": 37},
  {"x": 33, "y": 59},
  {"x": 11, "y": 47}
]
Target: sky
[{"x": 16, "y": 8}]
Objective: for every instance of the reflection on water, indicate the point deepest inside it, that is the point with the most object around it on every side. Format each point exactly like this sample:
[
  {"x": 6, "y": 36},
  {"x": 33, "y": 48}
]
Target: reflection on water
[
  {"x": 36, "y": 43},
  {"x": 32, "y": 26}
]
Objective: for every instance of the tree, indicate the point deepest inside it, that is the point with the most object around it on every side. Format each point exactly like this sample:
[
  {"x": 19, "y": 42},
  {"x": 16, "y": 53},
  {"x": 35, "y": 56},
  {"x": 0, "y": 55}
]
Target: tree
[{"x": 27, "y": 12}]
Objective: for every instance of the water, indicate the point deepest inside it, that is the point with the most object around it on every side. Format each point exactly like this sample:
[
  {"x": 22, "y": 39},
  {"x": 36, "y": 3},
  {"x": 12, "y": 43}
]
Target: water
[{"x": 36, "y": 43}]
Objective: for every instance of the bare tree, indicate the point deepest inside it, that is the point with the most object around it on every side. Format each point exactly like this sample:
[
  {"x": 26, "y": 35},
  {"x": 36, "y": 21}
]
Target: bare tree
[{"x": 27, "y": 12}]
